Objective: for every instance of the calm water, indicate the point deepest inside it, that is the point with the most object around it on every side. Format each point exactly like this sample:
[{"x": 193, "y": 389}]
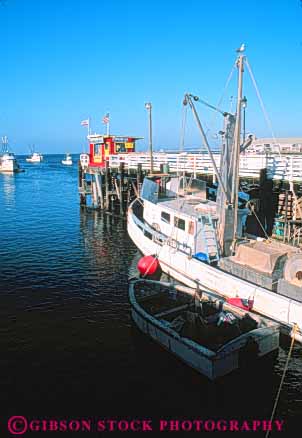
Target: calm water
[{"x": 68, "y": 347}]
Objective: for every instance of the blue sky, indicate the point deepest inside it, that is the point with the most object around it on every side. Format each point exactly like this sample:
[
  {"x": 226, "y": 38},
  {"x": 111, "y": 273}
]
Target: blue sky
[{"x": 65, "y": 60}]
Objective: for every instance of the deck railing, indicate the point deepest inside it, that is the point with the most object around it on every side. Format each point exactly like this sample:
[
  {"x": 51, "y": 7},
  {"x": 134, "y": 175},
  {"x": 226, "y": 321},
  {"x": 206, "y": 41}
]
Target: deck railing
[{"x": 285, "y": 167}]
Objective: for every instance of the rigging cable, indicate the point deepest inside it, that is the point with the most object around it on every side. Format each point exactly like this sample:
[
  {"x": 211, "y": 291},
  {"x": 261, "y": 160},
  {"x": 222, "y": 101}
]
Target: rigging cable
[
  {"x": 253, "y": 211},
  {"x": 183, "y": 128},
  {"x": 283, "y": 375},
  {"x": 218, "y": 109},
  {"x": 268, "y": 121},
  {"x": 224, "y": 92},
  {"x": 182, "y": 141},
  {"x": 274, "y": 138}
]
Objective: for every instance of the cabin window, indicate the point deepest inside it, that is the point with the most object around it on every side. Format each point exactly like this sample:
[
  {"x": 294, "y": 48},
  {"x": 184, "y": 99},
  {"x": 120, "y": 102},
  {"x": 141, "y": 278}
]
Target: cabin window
[
  {"x": 120, "y": 147},
  {"x": 97, "y": 149},
  {"x": 180, "y": 223},
  {"x": 147, "y": 234},
  {"x": 165, "y": 217}
]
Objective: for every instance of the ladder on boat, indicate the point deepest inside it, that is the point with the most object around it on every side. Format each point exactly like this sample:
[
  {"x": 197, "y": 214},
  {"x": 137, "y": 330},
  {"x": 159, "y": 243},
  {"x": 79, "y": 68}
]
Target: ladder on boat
[{"x": 209, "y": 237}]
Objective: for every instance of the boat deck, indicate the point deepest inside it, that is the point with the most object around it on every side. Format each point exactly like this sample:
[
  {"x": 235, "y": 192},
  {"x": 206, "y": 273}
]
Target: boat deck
[
  {"x": 197, "y": 322},
  {"x": 191, "y": 206}
]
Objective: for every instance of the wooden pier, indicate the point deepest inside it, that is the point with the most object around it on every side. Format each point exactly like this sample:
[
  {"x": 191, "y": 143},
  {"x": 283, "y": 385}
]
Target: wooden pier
[
  {"x": 279, "y": 167},
  {"x": 111, "y": 174},
  {"x": 112, "y": 188}
]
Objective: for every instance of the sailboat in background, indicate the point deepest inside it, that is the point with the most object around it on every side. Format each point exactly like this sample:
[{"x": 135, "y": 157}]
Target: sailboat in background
[
  {"x": 35, "y": 157},
  {"x": 201, "y": 242},
  {"x": 8, "y": 162}
]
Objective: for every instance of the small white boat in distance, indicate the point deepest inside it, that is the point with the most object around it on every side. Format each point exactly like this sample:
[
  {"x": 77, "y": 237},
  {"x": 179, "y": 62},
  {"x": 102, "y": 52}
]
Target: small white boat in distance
[
  {"x": 8, "y": 162},
  {"x": 36, "y": 157},
  {"x": 68, "y": 160}
]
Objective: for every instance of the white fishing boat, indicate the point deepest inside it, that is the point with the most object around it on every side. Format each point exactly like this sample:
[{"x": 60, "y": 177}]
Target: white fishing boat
[
  {"x": 196, "y": 240},
  {"x": 67, "y": 160},
  {"x": 8, "y": 161},
  {"x": 35, "y": 157},
  {"x": 207, "y": 334}
]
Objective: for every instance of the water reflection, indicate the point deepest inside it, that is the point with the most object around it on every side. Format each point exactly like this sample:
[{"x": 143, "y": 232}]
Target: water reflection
[
  {"x": 101, "y": 235},
  {"x": 9, "y": 187}
]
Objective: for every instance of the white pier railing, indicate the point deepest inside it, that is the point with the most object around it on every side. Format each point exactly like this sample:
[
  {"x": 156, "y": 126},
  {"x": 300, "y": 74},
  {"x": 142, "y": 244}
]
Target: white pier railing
[{"x": 284, "y": 167}]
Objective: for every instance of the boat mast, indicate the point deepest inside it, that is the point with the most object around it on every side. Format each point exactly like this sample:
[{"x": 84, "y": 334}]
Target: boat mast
[
  {"x": 4, "y": 144},
  {"x": 188, "y": 99},
  {"x": 236, "y": 150},
  {"x": 228, "y": 177}
]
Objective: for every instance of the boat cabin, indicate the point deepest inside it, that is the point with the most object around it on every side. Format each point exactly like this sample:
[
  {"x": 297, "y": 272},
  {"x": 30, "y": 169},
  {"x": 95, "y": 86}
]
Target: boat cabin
[
  {"x": 187, "y": 221},
  {"x": 101, "y": 146},
  {"x": 183, "y": 217}
]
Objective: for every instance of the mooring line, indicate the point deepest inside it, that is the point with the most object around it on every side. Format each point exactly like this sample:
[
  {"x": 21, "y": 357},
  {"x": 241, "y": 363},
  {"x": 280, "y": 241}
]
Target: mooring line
[{"x": 283, "y": 375}]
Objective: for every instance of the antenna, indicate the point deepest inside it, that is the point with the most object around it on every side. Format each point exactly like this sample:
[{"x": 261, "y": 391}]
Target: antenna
[{"x": 4, "y": 144}]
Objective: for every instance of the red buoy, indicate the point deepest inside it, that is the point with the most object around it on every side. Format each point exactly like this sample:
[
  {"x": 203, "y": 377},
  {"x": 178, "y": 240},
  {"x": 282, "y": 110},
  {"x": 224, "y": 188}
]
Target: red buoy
[{"x": 148, "y": 265}]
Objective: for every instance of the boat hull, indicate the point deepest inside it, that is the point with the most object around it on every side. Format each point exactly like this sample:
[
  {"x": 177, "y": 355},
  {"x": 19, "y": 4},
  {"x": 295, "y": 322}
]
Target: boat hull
[
  {"x": 190, "y": 272},
  {"x": 35, "y": 158},
  {"x": 9, "y": 166},
  {"x": 211, "y": 364}
]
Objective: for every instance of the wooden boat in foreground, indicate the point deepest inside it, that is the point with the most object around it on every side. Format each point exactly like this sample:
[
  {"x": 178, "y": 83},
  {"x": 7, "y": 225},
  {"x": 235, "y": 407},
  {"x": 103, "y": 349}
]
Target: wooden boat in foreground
[{"x": 211, "y": 336}]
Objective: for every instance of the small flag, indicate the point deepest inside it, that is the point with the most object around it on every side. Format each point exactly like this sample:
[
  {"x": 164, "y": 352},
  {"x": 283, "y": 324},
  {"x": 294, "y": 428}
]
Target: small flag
[
  {"x": 85, "y": 122},
  {"x": 106, "y": 119}
]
